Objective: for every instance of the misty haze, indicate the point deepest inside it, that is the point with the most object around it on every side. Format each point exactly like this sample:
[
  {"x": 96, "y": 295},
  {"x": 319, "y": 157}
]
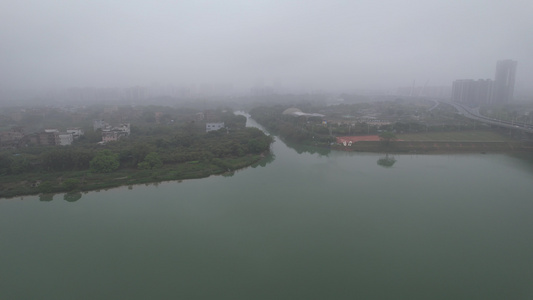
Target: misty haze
[{"x": 266, "y": 149}]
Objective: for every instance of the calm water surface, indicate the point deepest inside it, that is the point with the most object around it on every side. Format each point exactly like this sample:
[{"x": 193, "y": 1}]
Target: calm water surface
[{"x": 302, "y": 226}]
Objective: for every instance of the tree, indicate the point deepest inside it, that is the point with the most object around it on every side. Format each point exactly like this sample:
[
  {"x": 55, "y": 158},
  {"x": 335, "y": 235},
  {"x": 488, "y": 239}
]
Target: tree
[
  {"x": 71, "y": 184},
  {"x": 387, "y": 137},
  {"x": 46, "y": 187},
  {"x": 5, "y": 164},
  {"x": 104, "y": 162},
  {"x": 151, "y": 161},
  {"x": 258, "y": 145},
  {"x": 139, "y": 151},
  {"x": 90, "y": 136},
  {"x": 148, "y": 116},
  {"x": 386, "y": 161}
]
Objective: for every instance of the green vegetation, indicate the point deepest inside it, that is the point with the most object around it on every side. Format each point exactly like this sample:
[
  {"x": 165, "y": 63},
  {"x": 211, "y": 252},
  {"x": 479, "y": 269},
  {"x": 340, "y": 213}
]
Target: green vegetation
[
  {"x": 458, "y": 136},
  {"x": 303, "y": 130},
  {"x": 104, "y": 162},
  {"x": 386, "y": 161},
  {"x": 377, "y": 118},
  {"x": 154, "y": 153},
  {"x": 415, "y": 126},
  {"x": 387, "y": 137},
  {"x": 151, "y": 161}
]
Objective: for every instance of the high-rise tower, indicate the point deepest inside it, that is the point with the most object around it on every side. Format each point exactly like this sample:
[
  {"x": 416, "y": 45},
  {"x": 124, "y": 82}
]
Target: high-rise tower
[{"x": 503, "y": 87}]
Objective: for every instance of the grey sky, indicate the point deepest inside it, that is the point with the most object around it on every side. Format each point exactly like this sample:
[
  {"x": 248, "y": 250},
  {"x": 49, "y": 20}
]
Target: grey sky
[{"x": 323, "y": 44}]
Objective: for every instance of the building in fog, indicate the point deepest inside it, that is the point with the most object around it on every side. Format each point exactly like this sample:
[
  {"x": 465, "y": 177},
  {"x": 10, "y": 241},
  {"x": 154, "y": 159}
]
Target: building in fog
[
  {"x": 65, "y": 138},
  {"x": 49, "y": 137},
  {"x": 75, "y": 131},
  {"x": 110, "y": 134},
  {"x": 213, "y": 126},
  {"x": 442, "y": 92},
  {"x": 99, "y": 124},
  {"x": 485, "y": 91},
  {"x": 504, "y": 81},
  {"x": 472, "y": 92}
]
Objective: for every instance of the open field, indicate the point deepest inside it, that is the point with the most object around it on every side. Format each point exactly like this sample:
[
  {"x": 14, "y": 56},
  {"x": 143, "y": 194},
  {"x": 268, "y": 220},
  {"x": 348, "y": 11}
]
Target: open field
[{"x": 456, "y": 136}]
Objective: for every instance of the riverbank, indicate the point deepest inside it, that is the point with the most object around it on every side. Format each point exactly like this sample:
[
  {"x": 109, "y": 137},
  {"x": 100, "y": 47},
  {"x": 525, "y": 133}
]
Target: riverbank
[
  {"x": 435, "y": 147},
  {"x": 84, "y": 181}
]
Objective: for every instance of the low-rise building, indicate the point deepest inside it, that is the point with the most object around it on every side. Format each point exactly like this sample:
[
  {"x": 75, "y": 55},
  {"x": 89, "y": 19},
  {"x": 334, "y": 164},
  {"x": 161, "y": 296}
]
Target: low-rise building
[
  {"x": 111, "y": 134},
  {"x": 65, "y": 138},
  {"x": 12, "y": 138},
  {"x": 124, "y": 127},
  {"x": 213, "y": 126},
  {"x": 99, "y": 124},
  {"x": 76, "y": 132},
  {"x": 50, "y": 137}
]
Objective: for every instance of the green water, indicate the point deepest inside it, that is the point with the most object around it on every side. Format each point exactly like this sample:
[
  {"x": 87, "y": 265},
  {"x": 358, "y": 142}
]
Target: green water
[{"x": 303, "y": 226}]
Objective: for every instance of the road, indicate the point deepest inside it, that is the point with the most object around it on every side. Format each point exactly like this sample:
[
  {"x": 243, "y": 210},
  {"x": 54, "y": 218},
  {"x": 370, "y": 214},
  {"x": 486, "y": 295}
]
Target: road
[{"x": 473, "y": 113}]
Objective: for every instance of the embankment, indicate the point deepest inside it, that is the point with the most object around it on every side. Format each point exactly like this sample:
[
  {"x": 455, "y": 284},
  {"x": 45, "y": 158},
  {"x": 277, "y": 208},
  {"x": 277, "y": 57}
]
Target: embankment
[{"x": 435, "y": 146}]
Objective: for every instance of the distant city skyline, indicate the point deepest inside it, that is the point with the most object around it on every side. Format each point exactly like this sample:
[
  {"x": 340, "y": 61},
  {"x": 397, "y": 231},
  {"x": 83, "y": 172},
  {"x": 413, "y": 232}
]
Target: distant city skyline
[
  {"x": 487, "y": 91},
  {"x": 329, "y": 45}
]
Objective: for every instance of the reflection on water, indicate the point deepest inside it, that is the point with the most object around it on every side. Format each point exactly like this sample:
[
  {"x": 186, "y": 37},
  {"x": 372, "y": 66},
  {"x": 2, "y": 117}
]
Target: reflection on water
[
  {"x": 386, "y": 161},
  {"x": 307, "y": 226},
  {"x": 523, "y": 160},
  {"x": 69, "y": 197},
  {"x": 269, "y": 158},
  {"x": 46, "y": 197},
  {"x": 72, "y": 197},
  {"x": 307, "y": 149}
]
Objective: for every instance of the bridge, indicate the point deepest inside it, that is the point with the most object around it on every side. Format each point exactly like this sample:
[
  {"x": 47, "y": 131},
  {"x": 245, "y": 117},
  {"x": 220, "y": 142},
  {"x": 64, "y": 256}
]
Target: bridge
[{"x": 473, "y": 113}]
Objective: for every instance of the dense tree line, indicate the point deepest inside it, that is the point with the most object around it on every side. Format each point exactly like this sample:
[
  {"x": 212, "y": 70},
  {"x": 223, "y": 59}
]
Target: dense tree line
[{"x": 148, "y": 147}]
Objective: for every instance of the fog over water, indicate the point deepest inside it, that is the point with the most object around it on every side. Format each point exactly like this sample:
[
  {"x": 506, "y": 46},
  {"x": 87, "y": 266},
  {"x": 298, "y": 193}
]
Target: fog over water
[{"x": 309, "y": 44}]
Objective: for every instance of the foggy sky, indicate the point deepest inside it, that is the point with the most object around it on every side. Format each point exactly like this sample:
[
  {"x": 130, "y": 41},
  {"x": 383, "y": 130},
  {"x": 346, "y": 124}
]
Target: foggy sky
[{"x": 322, "y": 44}]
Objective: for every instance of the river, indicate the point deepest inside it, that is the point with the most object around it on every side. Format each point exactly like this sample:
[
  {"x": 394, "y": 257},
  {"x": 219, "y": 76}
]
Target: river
[{"x": 301, "y": 225}]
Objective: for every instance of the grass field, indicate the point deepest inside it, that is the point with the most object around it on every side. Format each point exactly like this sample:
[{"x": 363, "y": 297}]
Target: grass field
[{"x": 456, "y": 136}]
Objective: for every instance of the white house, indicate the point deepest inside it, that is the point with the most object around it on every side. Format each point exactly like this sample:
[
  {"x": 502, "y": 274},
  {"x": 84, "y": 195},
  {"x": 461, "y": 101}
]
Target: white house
[
  {"x": 124, "y": 127},
  {"x": 213, "y": 126},
  {"x": 99, "y": 124},
  {"x": 76, "y": 132},
  {"x": 65, "y": 138}
]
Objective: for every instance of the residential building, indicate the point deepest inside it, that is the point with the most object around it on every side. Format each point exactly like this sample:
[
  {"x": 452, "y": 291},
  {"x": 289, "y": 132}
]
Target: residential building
[
  {"x": 213, "y": 126},
  {"x": 472, "y": 92},
  {"x": 76, "y": 132},
  {"x": 124, "y": 127},
  {"x": 11, "y": 139},
  {"x": 50, "y": 137},
  {"x": 99, "y": 124},
  {"x": 65, "y": 138},
  {"x": 504, "y": 81},
  {"x": 110, "y": 134}
]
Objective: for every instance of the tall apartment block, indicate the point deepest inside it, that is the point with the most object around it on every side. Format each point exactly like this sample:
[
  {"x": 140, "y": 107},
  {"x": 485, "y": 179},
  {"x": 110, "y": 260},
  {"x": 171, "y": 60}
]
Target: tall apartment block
[{"x": 503, "y": 87}]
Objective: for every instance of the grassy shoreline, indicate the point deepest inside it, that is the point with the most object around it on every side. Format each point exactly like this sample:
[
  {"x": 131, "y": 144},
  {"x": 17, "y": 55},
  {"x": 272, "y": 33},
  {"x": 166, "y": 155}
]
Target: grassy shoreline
[
  {"x": 54, "y": 182},
  {"x": 435, "y": 147},
  {"x": 480, "y": 141}
]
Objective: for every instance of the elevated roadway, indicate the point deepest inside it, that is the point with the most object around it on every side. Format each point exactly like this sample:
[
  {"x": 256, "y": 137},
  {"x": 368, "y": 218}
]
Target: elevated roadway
[{"x": 473, "y": 113}]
